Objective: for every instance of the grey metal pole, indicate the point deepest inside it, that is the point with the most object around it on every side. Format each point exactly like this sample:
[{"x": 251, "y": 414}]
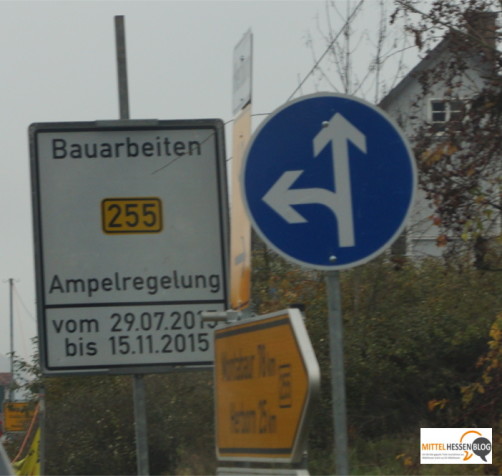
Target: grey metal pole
[
  {"x": 142, "y": 462},
  {"x": 335, "y": 325},
  {"x": 11, "y": 323},
  {"x": 121, "y": 67},
  {"x": 139, "y": 399}
]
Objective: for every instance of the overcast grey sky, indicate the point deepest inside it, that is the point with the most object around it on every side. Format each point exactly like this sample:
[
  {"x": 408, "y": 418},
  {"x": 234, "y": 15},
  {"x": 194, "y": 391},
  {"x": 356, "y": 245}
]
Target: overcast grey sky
[{"x": 58, "y": 64}]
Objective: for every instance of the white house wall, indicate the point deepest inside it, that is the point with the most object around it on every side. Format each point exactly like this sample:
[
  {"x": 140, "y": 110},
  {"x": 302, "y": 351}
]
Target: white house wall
[{"x": 401, "y": 104}]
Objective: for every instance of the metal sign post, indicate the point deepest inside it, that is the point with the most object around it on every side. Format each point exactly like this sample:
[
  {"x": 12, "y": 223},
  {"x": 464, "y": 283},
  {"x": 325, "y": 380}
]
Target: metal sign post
[
  {"x": 335, "y": 325},
  {"x": 139, "y": 393},
  {"x": 328, "y": 183}
]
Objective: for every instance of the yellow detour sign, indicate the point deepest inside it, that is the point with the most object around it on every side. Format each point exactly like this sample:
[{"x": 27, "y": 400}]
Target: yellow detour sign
[
  {"x": 17, "y": 416},
  {"x": 266, "y": 375}
]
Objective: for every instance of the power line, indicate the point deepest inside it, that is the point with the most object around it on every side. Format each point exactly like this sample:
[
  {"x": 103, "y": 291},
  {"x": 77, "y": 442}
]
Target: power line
[{"x": 23, "y": 304}]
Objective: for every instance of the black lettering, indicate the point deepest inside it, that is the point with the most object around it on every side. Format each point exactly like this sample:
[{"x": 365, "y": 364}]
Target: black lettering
[
  {"x": 92, "y": 348},
  {"x": 267, "y": 422},
  {"x": 241, "y": 420},
  {"x": 165, "y": 282},
  {"x": 118, "y": 146},
  {"x": 186, "y": 281},
  {"x": 167, "y": 346},
  {"x": 175, "y": 325},
  {"x": 56, "y": 285},
  {"x": 75, "y": 286},
  {"x": 160, "y": 147},
  {"x": 90, "y": 151},
  {"x": 266, "y": 364},
  {"x": 179, "y": 148},
  {"x": 138, "y": 283},
  {"x": 152, "y": 284},
  {"x": 200, "y": 281},
  {"x": 58, "y": 325},
  {"x": 58, "y": 148},
  {"x": 79, "y": 348},
  {"x": 70, "y": 348},
  {"x": 132, "y": 148},
  {"x": 214, "y": 283},
  {"x": 82, "y": 326},
  {"x": 147, "y": 149},
  {"x": 194, "y": 147},
  {"x": 167, "y": 145},
  {"x": 106, "y": 150},
  {"x": 285, "y": 386},
  {"x": 92, "y": 286},
  {"x": 175, "y": 279},
  {"x": 88, "y": 326},
  {"x": 238, "y": 367},
  {"x": 106, "y": 284},
  {"x": 76, "y": 151}
]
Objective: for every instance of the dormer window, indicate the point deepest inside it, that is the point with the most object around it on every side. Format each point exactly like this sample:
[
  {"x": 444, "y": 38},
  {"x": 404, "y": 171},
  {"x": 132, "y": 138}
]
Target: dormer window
[{"x": 443, "y": 111}]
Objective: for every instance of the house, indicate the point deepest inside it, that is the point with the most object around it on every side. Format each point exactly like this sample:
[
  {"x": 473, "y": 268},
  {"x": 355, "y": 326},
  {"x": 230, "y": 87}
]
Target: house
[{"x": 440, "y": 103}]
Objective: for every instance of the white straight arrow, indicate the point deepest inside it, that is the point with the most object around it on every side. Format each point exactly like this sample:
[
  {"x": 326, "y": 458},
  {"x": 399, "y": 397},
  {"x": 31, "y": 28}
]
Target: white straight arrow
[{"x": 339, "y": 132}]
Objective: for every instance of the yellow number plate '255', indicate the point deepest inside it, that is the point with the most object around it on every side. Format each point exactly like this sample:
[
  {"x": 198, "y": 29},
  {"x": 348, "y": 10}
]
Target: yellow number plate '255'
[{"x": 131, "y": 215}]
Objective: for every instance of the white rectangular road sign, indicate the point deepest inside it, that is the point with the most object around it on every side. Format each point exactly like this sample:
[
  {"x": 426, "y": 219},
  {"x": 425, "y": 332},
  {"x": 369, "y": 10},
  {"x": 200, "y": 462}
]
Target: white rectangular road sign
[
  {"x": 131, "y": 225},
  {"x": 242, "y": 72}
]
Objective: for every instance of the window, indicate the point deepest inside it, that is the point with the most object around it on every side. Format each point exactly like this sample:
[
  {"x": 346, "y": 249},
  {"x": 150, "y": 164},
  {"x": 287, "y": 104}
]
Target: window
[{"x": 443, "y": 111}]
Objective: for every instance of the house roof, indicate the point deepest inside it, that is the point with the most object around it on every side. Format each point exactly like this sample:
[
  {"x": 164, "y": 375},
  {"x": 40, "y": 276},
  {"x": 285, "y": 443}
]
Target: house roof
[
  {"x": 415, "y": 73},
  {"x": 484, "y": 23}
]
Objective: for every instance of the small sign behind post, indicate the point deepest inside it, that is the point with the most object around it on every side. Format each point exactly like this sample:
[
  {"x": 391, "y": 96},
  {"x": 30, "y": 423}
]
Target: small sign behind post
[
  {"x": 240, "y": 231},
  {"x": 242, "y": 72},
  {"x": 266, "y": 376},
  {"x": 17, "y": 416}
]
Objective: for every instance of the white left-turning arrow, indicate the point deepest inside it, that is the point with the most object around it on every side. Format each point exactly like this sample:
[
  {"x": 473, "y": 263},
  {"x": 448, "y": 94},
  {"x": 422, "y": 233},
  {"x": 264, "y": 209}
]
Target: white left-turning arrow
[{"x": 281, "y": 197}]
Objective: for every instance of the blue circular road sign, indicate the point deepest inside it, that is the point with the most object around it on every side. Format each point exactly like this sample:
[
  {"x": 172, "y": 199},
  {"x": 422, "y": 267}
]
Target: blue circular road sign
[{"x": 328, "y": 181}]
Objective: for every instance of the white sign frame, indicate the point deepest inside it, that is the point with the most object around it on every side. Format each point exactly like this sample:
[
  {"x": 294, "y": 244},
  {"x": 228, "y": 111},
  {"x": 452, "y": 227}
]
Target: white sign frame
[{"x": 128, "y": 301}]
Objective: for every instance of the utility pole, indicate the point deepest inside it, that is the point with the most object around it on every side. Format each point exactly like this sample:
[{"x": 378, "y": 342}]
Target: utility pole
[
  {"x": 139, "y": 392},
  {"x": 11, "y": 324}
]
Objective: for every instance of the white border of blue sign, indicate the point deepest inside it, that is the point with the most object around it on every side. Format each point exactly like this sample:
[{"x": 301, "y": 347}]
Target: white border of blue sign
[{"x": 293, "y": 127}]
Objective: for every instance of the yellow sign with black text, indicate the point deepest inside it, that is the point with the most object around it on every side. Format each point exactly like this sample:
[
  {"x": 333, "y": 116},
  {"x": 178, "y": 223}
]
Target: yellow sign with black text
[
  {"x": 266, "y": 375},
  {"x": 17, "y": 416},
  {"x": 131, "y": 215}
]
